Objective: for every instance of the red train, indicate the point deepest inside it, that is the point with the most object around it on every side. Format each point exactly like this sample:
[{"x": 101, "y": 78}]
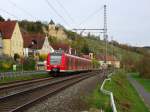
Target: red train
[{"x": 62, "y": 62}]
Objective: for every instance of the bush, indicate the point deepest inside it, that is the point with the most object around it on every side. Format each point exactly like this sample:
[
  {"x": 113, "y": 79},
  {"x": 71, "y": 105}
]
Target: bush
[
  {"x": 29, "y": 64},
  {"x": 6, "y": 64},
  {"x": 144, "y": 66},
  {"x": 42, "y": 57},
  {"x": 95, "y": 63},
  {"x": 129, "y": 62}
]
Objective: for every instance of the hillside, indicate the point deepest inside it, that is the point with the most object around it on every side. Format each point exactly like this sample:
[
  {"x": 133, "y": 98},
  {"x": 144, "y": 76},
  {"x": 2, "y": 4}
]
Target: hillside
[
  {"x": 84, "y": 44},
  {"x": 126, "y": 57},
  {"x": 32, "y": 27},
  {"x": 147, "y": 48}
]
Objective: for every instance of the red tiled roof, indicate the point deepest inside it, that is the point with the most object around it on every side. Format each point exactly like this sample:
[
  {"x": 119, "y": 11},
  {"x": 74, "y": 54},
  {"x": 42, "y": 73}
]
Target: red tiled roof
[
  {"x": 86, "y": 56},
  {"x": 33, "y": 41},
  {"x": 7, "y": 28},
  {"x": 108, "y": 58}
]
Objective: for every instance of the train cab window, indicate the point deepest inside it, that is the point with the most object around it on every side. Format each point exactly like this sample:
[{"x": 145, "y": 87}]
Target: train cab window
[{"x": 55, "y": 59}]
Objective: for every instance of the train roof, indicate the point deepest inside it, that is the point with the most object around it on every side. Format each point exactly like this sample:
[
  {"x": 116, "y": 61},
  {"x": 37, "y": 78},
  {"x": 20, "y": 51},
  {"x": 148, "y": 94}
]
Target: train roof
[
  {"x": 73, "y": 56},
  {"x": 77, "y": 57},
  {"x": 56, "y": 53}
]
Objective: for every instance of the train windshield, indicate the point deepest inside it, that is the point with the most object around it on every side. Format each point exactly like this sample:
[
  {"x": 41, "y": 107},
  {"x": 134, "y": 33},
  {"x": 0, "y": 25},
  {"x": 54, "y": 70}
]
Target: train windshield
[{"x": 55, "y": 59}]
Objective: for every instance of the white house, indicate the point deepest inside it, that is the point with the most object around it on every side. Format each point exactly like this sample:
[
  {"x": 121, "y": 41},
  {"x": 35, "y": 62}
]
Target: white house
[
  {"x": 46, "y": 48},
  {"x": 110, "y": 60}
]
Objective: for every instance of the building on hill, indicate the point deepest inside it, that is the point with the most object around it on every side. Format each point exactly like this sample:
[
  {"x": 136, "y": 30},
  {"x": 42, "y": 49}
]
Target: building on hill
[
  {"x": 86, "y": 56},
  {"x": 110, "y": 60},
  {"x": 90, "y": 56},
  {"x": 56, "y": 31},
  {"x": 11, "y": 38},
  {"x": 36, "y": 44}
]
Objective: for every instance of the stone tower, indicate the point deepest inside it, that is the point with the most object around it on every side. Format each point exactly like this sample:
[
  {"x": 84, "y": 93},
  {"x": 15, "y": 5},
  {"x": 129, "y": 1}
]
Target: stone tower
[
  {"x": 51, "y": 25},
  {"x": 56, "y": 31}
]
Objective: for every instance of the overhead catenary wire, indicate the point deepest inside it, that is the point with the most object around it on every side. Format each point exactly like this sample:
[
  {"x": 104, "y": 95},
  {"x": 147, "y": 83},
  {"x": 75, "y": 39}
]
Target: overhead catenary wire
[
  {"x": 94, "y": 32},
  {"x": 52, "y": 7},
  {"x": 91, "y": 15},
  {"x": 21, "y": 9},
  {"x": 65, "y": 10}
]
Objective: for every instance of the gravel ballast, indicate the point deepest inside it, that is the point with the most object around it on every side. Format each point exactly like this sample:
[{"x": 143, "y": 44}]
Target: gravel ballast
[{"x": 70, "y": 99}]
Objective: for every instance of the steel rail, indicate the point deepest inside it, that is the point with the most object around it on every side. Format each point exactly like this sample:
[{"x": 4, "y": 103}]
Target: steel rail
[
  {"x": 11, "y": 89},
  {"x": 20, "y": 73},
  {"x": 19, "y": 83},
  {"x": 20, "y": 101}
]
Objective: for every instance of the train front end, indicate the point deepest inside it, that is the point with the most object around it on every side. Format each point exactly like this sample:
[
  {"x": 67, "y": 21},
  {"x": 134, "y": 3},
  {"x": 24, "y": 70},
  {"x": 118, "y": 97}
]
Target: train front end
[{"x": 55, "y": 62}]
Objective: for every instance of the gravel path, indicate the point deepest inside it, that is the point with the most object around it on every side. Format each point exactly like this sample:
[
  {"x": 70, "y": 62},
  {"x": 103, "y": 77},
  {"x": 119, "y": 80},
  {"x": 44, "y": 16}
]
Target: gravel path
[
  {"x": 70, "y": 99},
  {"x": 140, "y": 89}
]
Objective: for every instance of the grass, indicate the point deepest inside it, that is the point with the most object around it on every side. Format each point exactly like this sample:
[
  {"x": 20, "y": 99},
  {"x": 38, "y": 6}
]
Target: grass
[
  {"x": 98, "y": 100},
  {"x": 21, "y": 78},
  {"x": 142, "y": 81},
  {"x": 125, "y": 96}
]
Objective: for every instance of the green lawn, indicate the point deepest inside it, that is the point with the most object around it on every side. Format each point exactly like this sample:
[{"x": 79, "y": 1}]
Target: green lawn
[
  {"x": 20, "y": 78},
  {"x": 144, "y": 82},
  {"x": 126, "y": 97}
]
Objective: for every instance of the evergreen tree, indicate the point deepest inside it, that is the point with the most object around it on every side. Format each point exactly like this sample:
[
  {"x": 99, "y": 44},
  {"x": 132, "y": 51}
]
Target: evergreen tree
[{"x": 2, "y": 19}]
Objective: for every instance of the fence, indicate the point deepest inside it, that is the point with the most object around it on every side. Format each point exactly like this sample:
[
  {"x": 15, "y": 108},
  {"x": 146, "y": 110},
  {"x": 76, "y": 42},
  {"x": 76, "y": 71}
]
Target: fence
[
  {"x": 109, "y": 93},
  {"x": 20, "y": 73}
]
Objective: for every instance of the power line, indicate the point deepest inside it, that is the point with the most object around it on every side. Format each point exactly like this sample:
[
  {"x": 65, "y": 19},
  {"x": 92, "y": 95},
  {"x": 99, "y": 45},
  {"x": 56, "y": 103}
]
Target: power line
[
  {"x": 91, "y": 15},
  {"x": 88, "y": 29},
  {"x": 20, "y": 8},
  {"x": 16, "y": 17},
  {"x": 52, "y": 7},
  {"x": 67, "y": 13},
  {"x": 94, "y": 32}
]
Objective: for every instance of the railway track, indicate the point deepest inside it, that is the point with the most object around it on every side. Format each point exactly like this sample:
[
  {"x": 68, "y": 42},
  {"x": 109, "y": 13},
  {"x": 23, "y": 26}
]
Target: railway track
[
  {"x": 22, "y": 100},
  {"x": 16, "y": 87},
  {"x": 20, "y": 73}
]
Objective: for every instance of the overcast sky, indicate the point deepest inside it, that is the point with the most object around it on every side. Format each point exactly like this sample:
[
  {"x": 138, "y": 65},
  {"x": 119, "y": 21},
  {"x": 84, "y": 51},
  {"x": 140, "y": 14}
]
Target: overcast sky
[{"x": 128, "y": 20}]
